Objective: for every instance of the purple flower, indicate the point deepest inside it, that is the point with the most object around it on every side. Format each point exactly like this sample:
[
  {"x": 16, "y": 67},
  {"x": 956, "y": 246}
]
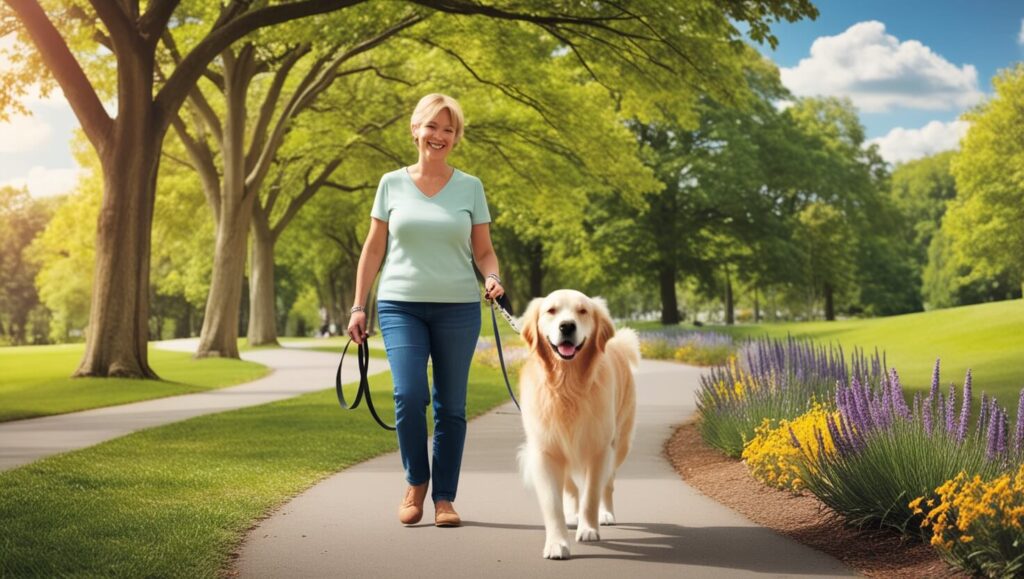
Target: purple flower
[
  {"x": 993, "y": 430},
  {"x": 950, "y": 409},
  {"x": 793, "y": 438},
  {"x": 934, "y": 392},
  {"x": 1018, "y": 434},
  {"x": 965, "y": 410}
]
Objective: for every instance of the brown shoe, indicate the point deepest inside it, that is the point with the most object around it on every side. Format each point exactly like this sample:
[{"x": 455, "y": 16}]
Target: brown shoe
[
  {"x": 445, "y": 515},
  {"x": 411, "y": 510}
]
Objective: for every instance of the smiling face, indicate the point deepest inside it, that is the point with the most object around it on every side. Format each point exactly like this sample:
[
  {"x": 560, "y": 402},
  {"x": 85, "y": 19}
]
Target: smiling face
[
  {"x": 435, "y": 137},
  {"x": 566, "y": 323}
]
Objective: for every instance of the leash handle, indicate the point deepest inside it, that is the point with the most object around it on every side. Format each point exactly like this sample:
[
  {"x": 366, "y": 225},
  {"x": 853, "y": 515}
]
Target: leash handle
[
  {"x": 363, "y": 361},
  {"x": 497, "y": 343}
]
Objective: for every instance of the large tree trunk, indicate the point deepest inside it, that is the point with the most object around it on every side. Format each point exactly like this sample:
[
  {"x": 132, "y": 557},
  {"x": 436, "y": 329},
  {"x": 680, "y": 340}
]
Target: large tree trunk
[
  {"x": 830, "y": 306},
  {"x": 669, "y": 303},
  {"x": 219, "y": 337},
  {"x": 118, "y": 330},
  {"x": 262, "y": 318}
]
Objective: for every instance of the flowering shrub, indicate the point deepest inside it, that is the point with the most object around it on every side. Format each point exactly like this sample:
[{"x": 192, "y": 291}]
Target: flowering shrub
[
  {"x": 978, "y": 525},
  {"x": 888, "y": 451},
  {"x": 697, "y": 348},
  {"x": 772, "y": 380},
  {"x": 773, "y": 456}
]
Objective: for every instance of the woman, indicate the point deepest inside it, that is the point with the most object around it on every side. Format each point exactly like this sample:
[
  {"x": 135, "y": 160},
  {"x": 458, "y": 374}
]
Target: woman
[{"x": 434, "y": 223}]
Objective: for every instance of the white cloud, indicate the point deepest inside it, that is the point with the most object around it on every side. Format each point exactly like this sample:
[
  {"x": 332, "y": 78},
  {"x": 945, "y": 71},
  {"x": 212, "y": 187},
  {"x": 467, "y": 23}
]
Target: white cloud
[
  {"x": 1020, "y": 36},
  {"x": 24, "y": 133},
  {"x": 46, "y": 182},
  {"x": 879, "y": 73},
  {"x": 902, "y": 145}
]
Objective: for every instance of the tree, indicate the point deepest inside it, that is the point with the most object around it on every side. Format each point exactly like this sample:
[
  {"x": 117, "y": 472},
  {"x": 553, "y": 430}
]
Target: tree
[
  {"x": 661, "y": 40},
  {"x": 984, "y": 222},
  {"x": 21, "y": 220}
]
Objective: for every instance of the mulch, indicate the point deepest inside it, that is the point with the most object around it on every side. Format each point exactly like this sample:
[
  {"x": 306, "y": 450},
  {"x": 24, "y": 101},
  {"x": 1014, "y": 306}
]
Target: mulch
[{"x": 873, "y": 553}]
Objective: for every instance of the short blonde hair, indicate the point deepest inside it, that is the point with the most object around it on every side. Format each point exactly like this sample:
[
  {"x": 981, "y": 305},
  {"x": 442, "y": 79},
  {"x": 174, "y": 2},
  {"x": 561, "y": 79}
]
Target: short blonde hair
[{"x": 431, "y": 105}]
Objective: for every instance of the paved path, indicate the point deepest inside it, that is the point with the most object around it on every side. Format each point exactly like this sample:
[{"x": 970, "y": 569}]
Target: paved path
[
  {"x": 294, "y": 372},
  {"x": 347, "y": 526}
]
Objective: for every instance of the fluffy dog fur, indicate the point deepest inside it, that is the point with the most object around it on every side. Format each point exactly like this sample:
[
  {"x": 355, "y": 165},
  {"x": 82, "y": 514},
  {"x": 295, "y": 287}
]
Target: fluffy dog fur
[{"x": 578, "y": 397}]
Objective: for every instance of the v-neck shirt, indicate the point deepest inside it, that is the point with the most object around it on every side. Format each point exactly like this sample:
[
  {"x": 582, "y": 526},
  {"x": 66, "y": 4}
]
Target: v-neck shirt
[{"x": 430, "y": 255}]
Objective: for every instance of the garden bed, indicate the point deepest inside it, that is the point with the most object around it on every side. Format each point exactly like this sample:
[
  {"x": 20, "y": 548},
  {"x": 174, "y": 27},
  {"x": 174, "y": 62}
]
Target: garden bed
[{"x": 802, "y": 518}]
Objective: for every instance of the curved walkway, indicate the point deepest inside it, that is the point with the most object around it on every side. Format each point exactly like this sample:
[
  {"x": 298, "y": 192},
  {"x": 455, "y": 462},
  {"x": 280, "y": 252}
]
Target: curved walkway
[
  {"x": 347, "y": 525},
  {"x": 294, "y": 372}
]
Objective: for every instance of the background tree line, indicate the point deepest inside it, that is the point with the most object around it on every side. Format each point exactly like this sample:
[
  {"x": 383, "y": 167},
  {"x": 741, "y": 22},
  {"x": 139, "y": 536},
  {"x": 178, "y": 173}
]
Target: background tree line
[{"x": 689, "y": 193}]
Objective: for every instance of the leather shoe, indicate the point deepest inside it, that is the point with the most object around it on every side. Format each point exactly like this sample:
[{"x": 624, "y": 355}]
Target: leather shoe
[
  {"x": 411, "y": 510},
  {"x": 445, "y": 515}
]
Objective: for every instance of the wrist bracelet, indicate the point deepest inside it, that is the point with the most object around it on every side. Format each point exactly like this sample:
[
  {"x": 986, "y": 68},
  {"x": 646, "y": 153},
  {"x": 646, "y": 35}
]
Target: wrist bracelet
[
  {"x": 357, "y": 309},
  {"x": 495, "y": 277}
]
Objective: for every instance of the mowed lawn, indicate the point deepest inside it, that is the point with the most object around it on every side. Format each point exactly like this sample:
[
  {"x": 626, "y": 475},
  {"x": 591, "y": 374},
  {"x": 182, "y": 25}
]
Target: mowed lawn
[
  {"x": 36, "y": 380},
  {"x": 987, "y": 338},
  {"x": 176, "y": 500}
]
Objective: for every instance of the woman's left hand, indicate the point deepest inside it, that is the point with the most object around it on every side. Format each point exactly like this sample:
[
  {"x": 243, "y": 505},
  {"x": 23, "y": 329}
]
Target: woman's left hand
[{"x": 493, "y": 289}]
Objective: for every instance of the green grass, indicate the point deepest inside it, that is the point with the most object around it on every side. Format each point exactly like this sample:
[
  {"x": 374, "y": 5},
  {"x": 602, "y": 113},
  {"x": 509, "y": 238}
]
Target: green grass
[
  {"x": 176, "y": 500},
  {"x": 36, "y": 380},
  {"x": 988, "y": 338}
]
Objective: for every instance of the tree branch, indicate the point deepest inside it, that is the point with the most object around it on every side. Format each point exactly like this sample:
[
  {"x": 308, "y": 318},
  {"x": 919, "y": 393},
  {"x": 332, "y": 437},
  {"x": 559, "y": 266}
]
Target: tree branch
[
  {"x": 55, "y": 53},
  {"x": 155, "y": 20},
  {"x": 224, "y": 33}
]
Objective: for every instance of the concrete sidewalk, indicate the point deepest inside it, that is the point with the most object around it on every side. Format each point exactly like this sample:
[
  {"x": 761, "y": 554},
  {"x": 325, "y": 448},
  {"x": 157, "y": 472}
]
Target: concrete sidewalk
[
  {"x": 347, "y": 526},
  {"x": 295, "y": 372}
]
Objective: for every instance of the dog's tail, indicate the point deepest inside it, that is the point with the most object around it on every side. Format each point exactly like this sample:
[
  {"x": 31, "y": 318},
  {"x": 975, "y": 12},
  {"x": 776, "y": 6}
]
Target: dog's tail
[{"x": 627, "y": 341}]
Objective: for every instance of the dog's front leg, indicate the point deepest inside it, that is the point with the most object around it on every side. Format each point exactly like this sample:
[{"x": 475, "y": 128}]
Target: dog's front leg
[
  {"x": 595, "y": 479},
  {"x": 548, "y": 475}
]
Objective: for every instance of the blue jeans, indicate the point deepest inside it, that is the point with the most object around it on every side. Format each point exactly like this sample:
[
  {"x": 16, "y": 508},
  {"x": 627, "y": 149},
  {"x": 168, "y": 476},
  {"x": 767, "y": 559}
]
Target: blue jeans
[{"x": 447, "y": 334}]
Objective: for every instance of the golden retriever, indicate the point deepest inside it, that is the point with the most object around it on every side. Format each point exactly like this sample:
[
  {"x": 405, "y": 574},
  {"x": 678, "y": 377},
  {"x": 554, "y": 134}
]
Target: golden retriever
[{"x": 578, "y": 399}]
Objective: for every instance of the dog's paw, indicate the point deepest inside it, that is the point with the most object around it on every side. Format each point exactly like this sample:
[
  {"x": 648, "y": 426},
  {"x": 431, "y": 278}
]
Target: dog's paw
[
  {"x": 606, "y": 518},
  {"x": 586, "y": 534},
  {"x": 556, "y": 549}
]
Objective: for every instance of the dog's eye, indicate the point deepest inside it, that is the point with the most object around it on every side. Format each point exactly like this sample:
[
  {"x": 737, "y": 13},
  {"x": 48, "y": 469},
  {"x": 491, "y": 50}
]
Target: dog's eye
[
  {"x": 552, "y": 311},
  {"x": 583, "y": 312}
]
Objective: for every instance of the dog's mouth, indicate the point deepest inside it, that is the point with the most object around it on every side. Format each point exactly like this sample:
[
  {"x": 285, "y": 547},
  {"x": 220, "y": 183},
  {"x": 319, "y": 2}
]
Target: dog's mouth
[{"x": 568, "y": 350}]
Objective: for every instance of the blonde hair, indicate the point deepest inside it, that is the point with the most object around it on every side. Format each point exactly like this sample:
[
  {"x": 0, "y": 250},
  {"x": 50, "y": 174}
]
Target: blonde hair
[{"x": 431, "y": 105}]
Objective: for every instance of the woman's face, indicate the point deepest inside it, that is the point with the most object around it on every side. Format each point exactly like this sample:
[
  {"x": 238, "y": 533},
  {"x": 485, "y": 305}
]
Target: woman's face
[{"x": 436, "y": 137}]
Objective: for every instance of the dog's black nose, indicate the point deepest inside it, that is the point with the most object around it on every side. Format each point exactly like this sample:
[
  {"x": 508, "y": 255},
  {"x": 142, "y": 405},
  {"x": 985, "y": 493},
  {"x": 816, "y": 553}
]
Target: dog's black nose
[{"x": 567, "y": 328}]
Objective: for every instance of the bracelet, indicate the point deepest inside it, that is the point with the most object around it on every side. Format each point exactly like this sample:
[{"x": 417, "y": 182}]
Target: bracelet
[
  {"x": 357, "y": 309},
  {"x": 495, "y": 277}
]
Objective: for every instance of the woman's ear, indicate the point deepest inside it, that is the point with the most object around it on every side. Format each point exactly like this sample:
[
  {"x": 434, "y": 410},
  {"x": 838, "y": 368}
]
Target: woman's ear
[
  {"x": 529, "y": 321},
  {"x": 605, "y": 327}
]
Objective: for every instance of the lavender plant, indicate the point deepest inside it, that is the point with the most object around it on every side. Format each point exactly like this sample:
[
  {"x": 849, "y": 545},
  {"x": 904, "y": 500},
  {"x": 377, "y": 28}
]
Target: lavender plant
[
  {"x": 773, "y": 380},
  {"x": 888, "y": 451},
  {"x": 698, "y": 348}
]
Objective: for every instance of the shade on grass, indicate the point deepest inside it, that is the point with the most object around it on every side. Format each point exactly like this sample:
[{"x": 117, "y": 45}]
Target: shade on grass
[
  {"x": 36, "y": 380},
  {"x": 176, "y": 500}
]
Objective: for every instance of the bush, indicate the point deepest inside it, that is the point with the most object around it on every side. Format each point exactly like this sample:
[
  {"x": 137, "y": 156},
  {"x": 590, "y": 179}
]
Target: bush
[
  {"x": 773, "y": 456},
  {"x": 977, "y": 525},
  {"x": 772, "y": 380},
  {"x": 888, "y": 453},
  {"x": 697, "y": 348}
]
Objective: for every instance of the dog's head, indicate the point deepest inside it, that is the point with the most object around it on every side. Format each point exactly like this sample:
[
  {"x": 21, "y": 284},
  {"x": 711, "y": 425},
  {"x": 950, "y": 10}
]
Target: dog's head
[{"x": 566, "y": 323}]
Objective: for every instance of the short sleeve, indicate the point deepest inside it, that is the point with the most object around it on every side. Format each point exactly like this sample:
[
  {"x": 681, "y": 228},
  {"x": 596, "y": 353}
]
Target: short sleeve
[
  {"x": 480, "y": 212},
  {"x": 380, "y": 201}
]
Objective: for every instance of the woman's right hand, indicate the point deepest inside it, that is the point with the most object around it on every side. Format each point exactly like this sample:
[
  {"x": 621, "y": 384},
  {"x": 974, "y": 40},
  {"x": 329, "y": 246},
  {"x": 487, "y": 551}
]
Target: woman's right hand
[{"x": 357, "y": 327}]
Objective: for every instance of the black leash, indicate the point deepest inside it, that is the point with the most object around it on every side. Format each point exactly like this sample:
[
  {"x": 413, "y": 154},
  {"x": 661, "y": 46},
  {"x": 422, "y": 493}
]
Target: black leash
[
  {"x": 363, "y": 358},
  {"x": 505, "y": 306}
]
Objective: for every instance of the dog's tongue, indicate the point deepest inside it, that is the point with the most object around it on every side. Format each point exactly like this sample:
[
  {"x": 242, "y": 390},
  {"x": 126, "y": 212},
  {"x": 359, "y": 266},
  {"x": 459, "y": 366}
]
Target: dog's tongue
[{"x": 566, "y": 349}]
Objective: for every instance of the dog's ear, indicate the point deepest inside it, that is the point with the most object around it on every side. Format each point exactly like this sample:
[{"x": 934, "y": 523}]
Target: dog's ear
[
  {"x": 529, "y": 323},
  {"x": 605, "y": 329}
]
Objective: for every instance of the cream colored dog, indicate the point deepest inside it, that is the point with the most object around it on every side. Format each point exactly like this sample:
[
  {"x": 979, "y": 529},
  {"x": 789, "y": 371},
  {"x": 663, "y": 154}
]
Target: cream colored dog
[{"x": 578, "y": 399}]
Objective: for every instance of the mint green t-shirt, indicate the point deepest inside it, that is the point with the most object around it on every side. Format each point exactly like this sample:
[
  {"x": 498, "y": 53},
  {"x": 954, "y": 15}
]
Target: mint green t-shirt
[{"x": 430, "y": 257}]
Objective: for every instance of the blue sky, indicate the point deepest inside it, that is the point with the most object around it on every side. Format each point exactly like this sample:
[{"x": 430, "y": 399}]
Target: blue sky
[{"x": 911, "y": 66}]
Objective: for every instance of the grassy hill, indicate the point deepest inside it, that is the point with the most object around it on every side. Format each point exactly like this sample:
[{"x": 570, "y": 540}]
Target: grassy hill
[{"x": 988, "y": 338}]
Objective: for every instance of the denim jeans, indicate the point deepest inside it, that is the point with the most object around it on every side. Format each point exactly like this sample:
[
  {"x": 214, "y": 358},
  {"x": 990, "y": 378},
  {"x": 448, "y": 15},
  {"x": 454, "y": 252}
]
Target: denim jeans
[{"x": 447, "y": 334}]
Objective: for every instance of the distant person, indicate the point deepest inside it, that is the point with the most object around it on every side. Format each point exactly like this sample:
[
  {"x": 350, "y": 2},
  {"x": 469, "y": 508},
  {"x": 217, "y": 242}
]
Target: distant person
[{"x": 432, "y": 220}]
